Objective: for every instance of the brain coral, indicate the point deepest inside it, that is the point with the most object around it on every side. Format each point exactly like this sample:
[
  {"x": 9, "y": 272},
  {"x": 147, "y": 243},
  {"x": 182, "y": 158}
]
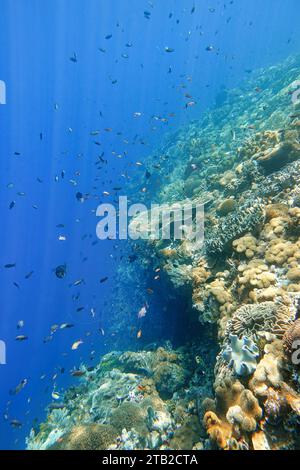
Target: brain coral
[{"x": 271, "y": 317}]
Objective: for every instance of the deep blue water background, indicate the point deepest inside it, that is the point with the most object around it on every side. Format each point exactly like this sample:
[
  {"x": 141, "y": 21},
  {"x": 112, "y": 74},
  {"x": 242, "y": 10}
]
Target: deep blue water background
[{"x": 37, "y": 39}]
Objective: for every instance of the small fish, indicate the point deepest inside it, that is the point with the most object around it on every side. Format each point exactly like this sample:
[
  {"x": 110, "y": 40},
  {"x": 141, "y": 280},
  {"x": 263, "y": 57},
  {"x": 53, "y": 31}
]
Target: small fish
[
  {"x": 19, "y": 387},
  {"x": 139, "y": 334},
  {"x": 190, "y": 104},
  {"x": 29, "y": 275},
  {"x": 21, "y": 338},
  {"x": 108, "y": 36},
  {"x": 20, "y": 324},
  {"x": 66, "y": 325},
  {"x": 10, "y": 265},
  {"x": 76, "y": 345},
  {"x": 77, "y": 373},
  {"x": 78, "y": 282},
  {"x": 60, "y": 271},
  {"x": 93, "y": 312},
  {"x": 142, "y": 313},
  {"x": 16, "y": 423},
  {"x": 12, "y": 205},
  {"x": 54, "y": 328},
  {"x": 169, "y": 49},
  {"x": 104, "y": 279},
  {"x": 79, "y": 197},
  {"x": 55, "y": 395},
  {"x": 73, "y": 58}
]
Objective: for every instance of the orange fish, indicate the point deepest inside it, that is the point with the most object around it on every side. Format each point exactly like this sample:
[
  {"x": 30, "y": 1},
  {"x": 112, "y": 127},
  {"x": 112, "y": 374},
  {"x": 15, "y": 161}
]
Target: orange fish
[{"x": 139, "y": 334}]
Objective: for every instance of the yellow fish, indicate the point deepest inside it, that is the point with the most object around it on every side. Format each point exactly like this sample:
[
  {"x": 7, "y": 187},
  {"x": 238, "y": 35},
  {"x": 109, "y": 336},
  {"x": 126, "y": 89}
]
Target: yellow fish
[{"x": 76, "y": 345}]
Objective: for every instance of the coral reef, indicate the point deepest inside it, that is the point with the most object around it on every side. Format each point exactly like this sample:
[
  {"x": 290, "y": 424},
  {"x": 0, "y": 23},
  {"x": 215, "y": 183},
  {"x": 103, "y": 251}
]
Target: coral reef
[
  {"x": 132, "y": 400},
  {"x": 241, "y": 285}
]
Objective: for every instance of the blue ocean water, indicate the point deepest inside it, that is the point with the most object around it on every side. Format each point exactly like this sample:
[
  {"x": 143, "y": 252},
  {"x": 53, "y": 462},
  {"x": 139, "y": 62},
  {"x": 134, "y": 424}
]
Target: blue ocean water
[{"x": 71, "y": 68}]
